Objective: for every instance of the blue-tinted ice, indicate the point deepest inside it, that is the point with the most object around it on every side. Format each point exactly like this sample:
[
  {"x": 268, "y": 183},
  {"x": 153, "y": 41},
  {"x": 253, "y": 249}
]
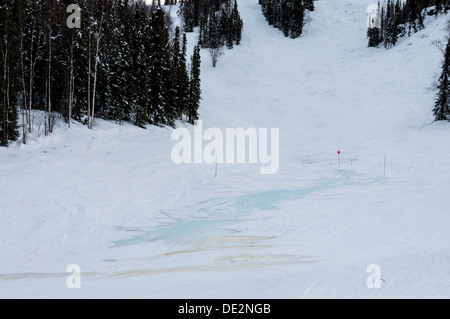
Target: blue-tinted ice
[{"x": 219, "y": 214}]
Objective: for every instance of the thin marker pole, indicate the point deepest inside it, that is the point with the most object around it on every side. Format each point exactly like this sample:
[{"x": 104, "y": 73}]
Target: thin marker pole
[
  {"x": 339, "y": 159},
  {"x": 215, "y": 168}
]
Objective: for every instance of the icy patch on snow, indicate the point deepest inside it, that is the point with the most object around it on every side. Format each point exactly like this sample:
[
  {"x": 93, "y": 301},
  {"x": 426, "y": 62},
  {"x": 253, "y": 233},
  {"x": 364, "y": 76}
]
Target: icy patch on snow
[{"x": 217, "y": 215}]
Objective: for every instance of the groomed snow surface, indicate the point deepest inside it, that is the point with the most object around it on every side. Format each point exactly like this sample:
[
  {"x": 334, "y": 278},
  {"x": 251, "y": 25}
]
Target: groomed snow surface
[{"x": 139, "y": 226}]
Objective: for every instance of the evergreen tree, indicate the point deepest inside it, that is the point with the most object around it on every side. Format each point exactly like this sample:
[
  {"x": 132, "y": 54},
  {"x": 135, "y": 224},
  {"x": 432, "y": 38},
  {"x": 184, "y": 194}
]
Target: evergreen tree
[
  {"x": 123, "y": 77},
  {"x": 309, "y": 5},
  {"x": 9, "y": 64},
  {"x": 182, "y": 80},
  {"x": 374, "y": 30},
  {"x": 237, "y": 24},
  {"x": 142, "y": 64},
  {"x": 219, "y": 22},
  {"x": 286, "y": 15},
  {"x": 399, "y": 21},
  {"x": 442, "y": 104},
  {"x": 226, "y": 26},
  {"x": 158, "y": 68},
  {"x": 372, "y": 37},
  {"x": 390, "y": 37},
  {"x": 297, "y": 19},
  {"x": 77, "y": 62},
  {"x": 172, "y": 87},
  {"x": 438, "y": 4},
  {"x": 194, "y": 87},
  {"x": 286, "y": 18}
]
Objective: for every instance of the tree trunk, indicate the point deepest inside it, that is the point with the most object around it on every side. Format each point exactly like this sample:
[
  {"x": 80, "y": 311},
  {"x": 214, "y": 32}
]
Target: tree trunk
[
  {"x": 89, "y": 81},
  {"x": 71, "y": 82},
  {"x": 31, "y": 79},
  {"x": 46, "y": 106},
  {"x": 5, "y": 89},
  {"x": 95, "y": 83},
  {"x": 50, "y": 128},
  {"x": 24, "y": 90},
  {"x": 97, "y": 58}
]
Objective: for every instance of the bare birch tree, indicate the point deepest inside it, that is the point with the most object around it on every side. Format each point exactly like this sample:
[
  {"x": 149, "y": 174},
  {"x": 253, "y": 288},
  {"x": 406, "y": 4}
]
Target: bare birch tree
[{"x": 98, "y": 36}]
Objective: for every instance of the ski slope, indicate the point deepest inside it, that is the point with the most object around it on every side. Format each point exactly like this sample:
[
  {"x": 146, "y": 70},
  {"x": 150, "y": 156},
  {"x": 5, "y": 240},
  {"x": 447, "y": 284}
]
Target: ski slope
[{"x": 139, "y": 226}]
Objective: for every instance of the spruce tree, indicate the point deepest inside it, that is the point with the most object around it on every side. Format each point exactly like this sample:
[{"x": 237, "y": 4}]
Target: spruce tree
[
  {"x": 309, "y": 5},
  {"x": 237, "y": 24},
  {"x": 374, "y": 32},
  {"x": 171, "y": 82},
  {"x": 438, "y": 4},
  {"x": 226, "y": 27},
  {"x": 123, "y": 63},
  {"x": 158, "y": 69},
  {"x": 182, "y": 80},
  {"x": 442, "y": 104},
  {"x": 9, "y": 64},
  {"x": 390, "y": 37},
  {"x": 399, "y": 21},
  {"x": 287, "y": 15},
  {"x": 297, "y": 20},
  {"x": 142, "y": 69},
  {"x": 371, "y": 37},
  {"x": 194, "y": 87}
]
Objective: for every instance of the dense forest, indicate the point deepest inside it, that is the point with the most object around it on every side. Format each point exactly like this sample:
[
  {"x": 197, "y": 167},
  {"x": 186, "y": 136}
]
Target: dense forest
[
  {"x": 402, "y": 18},
  {"x": 219, "y": 23},
  {"x": 287, "y": 15},
  {"x": 115, "y": 60}
]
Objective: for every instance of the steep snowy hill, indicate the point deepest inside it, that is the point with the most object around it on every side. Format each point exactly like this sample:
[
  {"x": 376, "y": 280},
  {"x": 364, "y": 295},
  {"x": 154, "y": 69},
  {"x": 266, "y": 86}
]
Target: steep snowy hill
[{"x": 112, "y": 201}]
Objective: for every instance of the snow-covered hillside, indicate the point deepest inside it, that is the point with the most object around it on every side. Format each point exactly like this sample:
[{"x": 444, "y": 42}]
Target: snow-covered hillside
[{"x": 112, "y": 201}]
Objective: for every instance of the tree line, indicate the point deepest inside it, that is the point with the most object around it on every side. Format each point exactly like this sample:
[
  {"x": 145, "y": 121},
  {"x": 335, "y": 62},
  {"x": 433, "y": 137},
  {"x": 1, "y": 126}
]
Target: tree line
[
  {"x": 401, "y": 18},
  {"x": 287, "y": 15},
  {"x": 122, "y": 64}
]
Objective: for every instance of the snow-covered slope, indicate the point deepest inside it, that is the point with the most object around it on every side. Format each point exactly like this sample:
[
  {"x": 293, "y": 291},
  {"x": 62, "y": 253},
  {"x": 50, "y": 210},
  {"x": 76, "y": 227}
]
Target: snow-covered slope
[{"x": 111, "y": 201}]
